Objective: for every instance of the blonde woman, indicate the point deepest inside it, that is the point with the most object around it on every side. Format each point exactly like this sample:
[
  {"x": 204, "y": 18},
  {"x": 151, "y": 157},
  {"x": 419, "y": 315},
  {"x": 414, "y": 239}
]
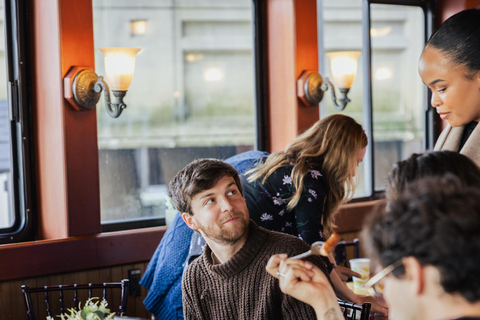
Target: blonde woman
[{"x": 298, "y": 191}]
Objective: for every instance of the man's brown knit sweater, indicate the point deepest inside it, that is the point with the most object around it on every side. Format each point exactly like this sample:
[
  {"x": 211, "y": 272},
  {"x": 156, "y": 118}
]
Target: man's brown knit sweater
[{"x": 241, "y": 288}]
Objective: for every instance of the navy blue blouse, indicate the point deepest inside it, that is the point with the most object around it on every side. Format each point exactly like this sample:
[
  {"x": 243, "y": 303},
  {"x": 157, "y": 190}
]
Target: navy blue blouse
[{"x": 267, "y": 203}]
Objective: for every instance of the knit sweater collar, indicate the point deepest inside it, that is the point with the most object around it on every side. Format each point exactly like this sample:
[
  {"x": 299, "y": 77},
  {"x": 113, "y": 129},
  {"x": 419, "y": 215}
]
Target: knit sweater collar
[{"x": 255, "y": 240}]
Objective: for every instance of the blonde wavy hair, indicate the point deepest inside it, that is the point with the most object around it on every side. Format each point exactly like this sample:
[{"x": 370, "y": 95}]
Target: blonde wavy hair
[{"x": 331, "y": 144}]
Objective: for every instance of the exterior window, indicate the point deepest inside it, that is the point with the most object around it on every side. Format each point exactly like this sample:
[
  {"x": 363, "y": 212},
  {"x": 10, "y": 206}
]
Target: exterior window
[
  {"x": 390, "y": 103},
  {"x": 15, "y": 190},
  {"x": 192, "y": 96}
]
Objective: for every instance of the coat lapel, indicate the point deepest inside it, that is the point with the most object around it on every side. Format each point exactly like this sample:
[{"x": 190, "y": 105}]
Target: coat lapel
[
  {"x": 449, "y": 139},
  {"x": 470, "y": 148}
]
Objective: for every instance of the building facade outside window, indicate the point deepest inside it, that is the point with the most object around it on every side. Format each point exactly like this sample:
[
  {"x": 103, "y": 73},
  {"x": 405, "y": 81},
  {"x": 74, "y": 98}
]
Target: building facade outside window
[
  {"x": 192, "y": 96},
  {"x": 399, "y": 100}
]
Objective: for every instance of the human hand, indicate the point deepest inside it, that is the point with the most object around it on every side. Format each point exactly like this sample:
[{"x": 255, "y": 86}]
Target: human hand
[
  {"x": 305, "y": 282},
  {"x": 345, "y": 273}
]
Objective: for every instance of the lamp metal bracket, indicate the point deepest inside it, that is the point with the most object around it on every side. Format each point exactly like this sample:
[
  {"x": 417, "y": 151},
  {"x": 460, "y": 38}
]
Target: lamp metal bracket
[{"x": 83, "y": 88}]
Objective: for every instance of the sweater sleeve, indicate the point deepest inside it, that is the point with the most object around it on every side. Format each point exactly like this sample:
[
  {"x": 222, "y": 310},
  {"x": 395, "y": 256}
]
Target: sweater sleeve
[
  {"x": 188, "y": 300},
  {"x": 295, "y": 309},
  {"x": 309, "y": 210}
]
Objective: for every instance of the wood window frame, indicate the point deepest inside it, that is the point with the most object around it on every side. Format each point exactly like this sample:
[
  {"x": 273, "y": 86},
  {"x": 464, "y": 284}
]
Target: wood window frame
[{"x": 66, "y": 151}]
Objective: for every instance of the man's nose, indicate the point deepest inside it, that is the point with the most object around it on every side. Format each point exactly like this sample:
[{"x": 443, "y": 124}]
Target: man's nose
[{"x": 226, "y": 204}]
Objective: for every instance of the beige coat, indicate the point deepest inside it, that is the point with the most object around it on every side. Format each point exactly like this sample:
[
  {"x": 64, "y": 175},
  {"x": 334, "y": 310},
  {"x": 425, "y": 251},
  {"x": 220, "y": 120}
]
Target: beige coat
[{"x": 450, "y": 140}]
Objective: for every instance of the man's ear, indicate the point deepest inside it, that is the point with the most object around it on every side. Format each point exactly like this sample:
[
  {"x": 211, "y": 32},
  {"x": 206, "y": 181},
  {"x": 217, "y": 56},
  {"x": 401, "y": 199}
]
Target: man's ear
[
  {"x": 414, "y": 273},
  {"x": 190, "y": 221}
]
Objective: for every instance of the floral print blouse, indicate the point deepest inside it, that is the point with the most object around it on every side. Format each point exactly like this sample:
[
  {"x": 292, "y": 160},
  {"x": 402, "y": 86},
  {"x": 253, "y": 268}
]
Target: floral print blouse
[{"x": 267, "y": 203}]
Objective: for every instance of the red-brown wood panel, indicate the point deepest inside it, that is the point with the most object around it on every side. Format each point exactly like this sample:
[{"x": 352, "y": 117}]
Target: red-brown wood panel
[
  {"x": 292, "y": 48},
  {"x": 66, "y": 140}
]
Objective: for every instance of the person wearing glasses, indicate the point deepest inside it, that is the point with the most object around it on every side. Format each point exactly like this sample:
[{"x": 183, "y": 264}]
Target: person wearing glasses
[
  {"x": 450, "y": 67},
  {"x": 426, "y": 243}
]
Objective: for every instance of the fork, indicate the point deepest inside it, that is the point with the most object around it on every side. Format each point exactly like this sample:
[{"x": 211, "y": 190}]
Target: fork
[{"x": 314, "y": 250}]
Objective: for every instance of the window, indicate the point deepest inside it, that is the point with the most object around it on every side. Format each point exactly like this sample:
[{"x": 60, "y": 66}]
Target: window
[
  {"x": 390, "y": 104},
  {"x": 192, "y": 96},
  {"x": 15, "y": 188}
]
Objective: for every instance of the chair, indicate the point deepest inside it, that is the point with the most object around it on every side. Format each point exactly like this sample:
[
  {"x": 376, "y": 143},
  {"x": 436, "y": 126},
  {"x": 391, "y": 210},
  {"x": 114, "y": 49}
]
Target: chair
[
  {"x": 351, "y": 310},
  {"x": 78, "y": 291},
  {"x": 341, "y": 251}
]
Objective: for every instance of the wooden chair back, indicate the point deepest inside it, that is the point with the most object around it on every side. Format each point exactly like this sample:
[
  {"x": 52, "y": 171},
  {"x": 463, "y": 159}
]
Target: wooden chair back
[
  {"x": 58, "y": 299},
  {"x": 340, "y": 252}
]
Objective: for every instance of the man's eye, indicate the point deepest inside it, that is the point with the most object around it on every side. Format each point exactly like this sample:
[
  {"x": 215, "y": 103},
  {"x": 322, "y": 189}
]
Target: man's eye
[
  {"x": 232, "y": 192},
  {"x": 209, "y": 201}
]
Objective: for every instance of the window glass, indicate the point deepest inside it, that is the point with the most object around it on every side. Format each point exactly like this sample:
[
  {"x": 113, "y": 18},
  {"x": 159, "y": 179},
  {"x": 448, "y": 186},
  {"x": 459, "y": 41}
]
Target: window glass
[
  {"x": 192, "y": 96},
  {"x": 7, "y": 216},
  {"x": 341, "y": 22},
  {"x": 397, "y": 35}
]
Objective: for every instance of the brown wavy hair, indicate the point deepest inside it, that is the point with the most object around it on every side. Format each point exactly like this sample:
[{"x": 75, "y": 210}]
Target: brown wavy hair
[{"x": 331, "y": 144}]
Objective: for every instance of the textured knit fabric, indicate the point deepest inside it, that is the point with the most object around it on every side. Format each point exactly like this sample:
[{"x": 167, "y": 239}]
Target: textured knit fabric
[
  {"x": 267, "y": 203},
  {"x": 241, "y": 288},
  {"x": 163, "y": 276}
]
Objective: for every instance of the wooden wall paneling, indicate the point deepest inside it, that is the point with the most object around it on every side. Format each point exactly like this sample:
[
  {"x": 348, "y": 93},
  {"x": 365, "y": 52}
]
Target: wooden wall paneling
[
  {"x": 105, "y": 275},
  {"x": 38, "y": 301},
  {"x": 116, "y": 275},
  {"x": 75, "y": 253},
  {"x": 306, "y": 56},
  {"x": 49, "y": 143},
  {"x": 292, "y": 48},
  {"x": 67, "y": 278},
  {"x": 139, "y": 306},
  {"x": 5, "y": 300},
  {"x": 80, "y": 131},
  {"x": 17, "y": 308},
  {"x": 93, "y": 276},
  {"x": 139, "y": 244},
  {"x": 472, "y": 4},
  {"x": 132, "y": 306},
  {"x": 351, "y": 216},
  {"x": 53, "y": 280},
  {"x": 12, "y": 305},
  {"x": 80, "y": 277},
  {"x": 66, "y": 140}
]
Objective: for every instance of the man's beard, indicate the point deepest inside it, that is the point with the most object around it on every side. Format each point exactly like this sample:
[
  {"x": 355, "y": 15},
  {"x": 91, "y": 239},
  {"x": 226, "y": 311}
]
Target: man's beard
[{"x": 222, "y": 234}]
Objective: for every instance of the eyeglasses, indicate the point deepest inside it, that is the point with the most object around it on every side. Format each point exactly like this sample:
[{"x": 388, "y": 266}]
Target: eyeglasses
[{"x": 375, "y": 284}]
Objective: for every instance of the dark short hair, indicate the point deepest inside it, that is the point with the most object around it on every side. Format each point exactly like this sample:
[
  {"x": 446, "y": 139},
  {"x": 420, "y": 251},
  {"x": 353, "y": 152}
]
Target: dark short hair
[
  {"x": 437, "y": 221},
  {"x": 436, "y": 163},
  {"x": 198, "y": 176},
  {"x": 459, "y": 38}
]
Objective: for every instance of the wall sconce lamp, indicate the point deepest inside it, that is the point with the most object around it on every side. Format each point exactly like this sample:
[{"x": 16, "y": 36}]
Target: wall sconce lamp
[
  {"x": 311, "y": 87},
  {"x": 82, "y": 86}
]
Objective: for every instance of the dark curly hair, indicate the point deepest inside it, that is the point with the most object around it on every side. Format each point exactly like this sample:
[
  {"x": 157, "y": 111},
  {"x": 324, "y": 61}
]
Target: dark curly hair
[
  {"x": 434, "y": 163},
  {"x": 459, "y": 38},
  {"x": 437, "y": 221},
  {"x": 198, "y": 176}
]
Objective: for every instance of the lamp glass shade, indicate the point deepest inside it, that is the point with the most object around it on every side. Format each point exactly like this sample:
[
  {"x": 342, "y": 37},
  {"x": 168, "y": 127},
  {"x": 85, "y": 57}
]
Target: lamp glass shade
[
  {"x": 344, "y": 67},
  {"x": 119, "y": 66}
]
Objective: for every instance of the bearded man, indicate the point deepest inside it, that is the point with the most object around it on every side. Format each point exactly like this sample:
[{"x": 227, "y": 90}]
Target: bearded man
[{"x": 229, "y": 280}]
